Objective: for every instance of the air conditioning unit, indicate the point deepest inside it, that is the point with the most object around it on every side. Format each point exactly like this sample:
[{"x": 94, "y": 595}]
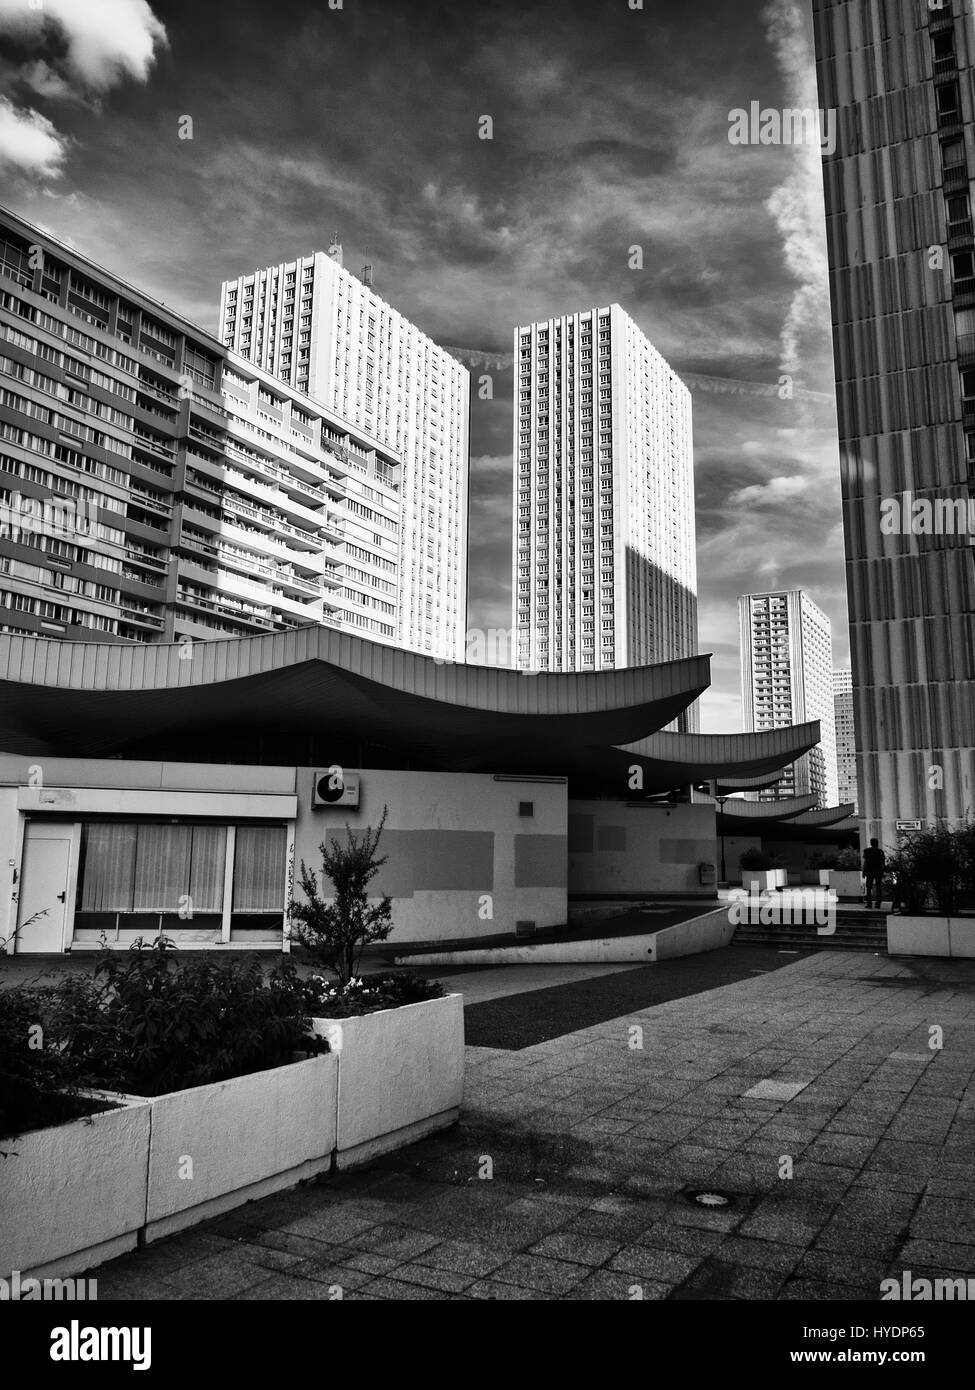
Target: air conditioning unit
[{"x": 336, "y": 786}]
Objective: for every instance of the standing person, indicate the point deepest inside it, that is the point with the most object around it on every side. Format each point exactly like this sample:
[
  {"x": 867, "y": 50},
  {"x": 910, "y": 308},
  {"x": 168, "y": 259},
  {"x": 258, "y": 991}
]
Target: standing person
[{"x": 874, "y": 861}]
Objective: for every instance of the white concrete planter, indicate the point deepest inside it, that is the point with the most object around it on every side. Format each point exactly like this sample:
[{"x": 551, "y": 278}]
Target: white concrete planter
[
  {"x": 215, "y": 1147},
  {"x": 401, "y": 1075},
  {"x": 74, "y": 1195},
  {"x": 931, "y": 936},
  {"x": 767, "y": 879},
  {"x": 847, "y": 884}
]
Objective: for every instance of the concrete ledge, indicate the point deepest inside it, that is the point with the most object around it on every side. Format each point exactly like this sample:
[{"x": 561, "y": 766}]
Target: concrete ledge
[
  {"x": 396, "y": 1069},
  {"x": 252, "y": 1192},
  {"x": 705, "y": 933},
  {"x": 931, "y": 936},
  {"x": 396, "y": 1139},
  {"x": 74, "y": 1194},
  {"x": 210, "y": 1144}
]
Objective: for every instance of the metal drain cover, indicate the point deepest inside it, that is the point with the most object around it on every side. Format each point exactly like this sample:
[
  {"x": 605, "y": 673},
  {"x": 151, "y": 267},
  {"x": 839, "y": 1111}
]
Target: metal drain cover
[{"x": 710, "y": 1197}]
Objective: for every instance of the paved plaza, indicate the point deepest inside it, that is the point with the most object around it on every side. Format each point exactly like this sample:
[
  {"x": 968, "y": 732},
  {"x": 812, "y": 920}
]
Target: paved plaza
[{"x": 827, "y": 1095}]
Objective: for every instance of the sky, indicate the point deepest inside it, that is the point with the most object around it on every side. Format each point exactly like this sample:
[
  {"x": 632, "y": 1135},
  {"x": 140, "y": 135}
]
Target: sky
[{"x": 610, "y": 130}]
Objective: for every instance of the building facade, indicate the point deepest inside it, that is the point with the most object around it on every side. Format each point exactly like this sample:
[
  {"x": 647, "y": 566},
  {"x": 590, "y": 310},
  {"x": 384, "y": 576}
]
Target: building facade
[
  {"x": 846, "y": 753},
  {"x": 155, "y": 486},
  {"x": 604, "y": 567},
  {"x": 148, "y": 789},
  {"x": 312, "y": 324},
  {"x": 902, "y": 274},
  {"x": 786, "y": 678}
]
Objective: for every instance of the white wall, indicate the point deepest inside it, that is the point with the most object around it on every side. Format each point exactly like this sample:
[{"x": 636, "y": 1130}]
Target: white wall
[
  {"x": 619, "y": 847},
  {"x": 9, "y": 864},
  {"x": 462, "y": 861}
]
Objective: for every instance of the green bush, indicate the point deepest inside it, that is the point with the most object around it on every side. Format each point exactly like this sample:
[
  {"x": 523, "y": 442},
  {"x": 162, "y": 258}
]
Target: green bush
[
  {"x": 335, "y": 929},
  {"x": 928, "y": 868},
  {"x": 753, "y": 858},
  {"x": 147, "y": 1024},
  {"x": 39, "y": 1083},
  {"x": 935, "y": 869}
]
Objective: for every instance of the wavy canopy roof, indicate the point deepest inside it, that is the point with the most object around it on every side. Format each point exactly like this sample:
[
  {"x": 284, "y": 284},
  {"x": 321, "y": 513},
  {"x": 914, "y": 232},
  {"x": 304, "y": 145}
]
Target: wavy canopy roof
[{"x": 314, "y": 695}]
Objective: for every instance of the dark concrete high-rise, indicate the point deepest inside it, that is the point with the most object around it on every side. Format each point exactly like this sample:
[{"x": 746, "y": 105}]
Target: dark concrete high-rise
[{"x": 899, "y": 75}]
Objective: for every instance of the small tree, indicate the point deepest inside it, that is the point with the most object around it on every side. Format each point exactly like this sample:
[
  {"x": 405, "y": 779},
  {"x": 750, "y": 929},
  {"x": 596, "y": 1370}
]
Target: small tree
[{"x": 335, "y": 928}]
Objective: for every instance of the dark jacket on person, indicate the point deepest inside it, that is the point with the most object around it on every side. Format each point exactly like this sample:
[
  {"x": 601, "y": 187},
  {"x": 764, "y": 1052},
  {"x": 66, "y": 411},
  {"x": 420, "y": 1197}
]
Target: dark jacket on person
[{"x": 873, "y": 862}]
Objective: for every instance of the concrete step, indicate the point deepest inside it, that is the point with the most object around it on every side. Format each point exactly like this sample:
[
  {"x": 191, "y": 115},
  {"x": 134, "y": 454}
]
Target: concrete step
[{"x": 849, "y": 939}]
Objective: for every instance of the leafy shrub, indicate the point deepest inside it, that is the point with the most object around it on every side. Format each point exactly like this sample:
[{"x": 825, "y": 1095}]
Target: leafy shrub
[
  {"x": 39, "y": 1083},
  {"x": 146, "y": 1024},
  {"x": 965, "y": 845},
  {"x": 369, "y": 994},
  {"x": 847, "y": 860},
  {"x": 928, "y": 866},
  {"x": 754, "y": 858},
  {"x": 335, "y": 931}
]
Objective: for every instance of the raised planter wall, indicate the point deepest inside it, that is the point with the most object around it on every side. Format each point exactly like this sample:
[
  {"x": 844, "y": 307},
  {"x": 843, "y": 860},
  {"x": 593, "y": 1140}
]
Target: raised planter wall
[
  {"x": 214, "y": 1147},
  {"x": 847, "y": 884},
  {"x": 74, "y": 1195},
  {"x": 931, "y": 936},
  {"x": 401, "y": 1075},
  {"x": 767, "y": 879}
]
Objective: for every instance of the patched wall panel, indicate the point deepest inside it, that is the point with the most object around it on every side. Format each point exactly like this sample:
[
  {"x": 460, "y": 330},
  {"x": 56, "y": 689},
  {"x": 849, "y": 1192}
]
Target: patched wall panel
[{"x": 541, "y": 861}]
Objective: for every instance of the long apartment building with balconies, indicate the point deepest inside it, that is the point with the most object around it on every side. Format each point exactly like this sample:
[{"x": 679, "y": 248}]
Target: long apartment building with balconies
[
  {"x": 315, "y": 326},
  {"x": 154, "y": 486}
]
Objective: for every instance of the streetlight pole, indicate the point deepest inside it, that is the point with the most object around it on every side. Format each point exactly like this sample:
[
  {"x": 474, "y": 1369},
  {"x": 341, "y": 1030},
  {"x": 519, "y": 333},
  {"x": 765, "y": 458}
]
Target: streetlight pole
[{"x": 721, "y": 801}]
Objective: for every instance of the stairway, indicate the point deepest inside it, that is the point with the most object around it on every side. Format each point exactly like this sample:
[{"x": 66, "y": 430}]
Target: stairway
[{"x": 856, "y": 930}]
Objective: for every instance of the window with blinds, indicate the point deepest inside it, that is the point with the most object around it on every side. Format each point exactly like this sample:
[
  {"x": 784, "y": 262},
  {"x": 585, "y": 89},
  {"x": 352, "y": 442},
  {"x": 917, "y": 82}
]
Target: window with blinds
[{"x": 157, "y": 875}]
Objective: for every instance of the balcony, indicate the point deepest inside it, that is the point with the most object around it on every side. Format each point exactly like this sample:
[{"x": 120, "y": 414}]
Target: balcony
[
  {"x": 965, "y": 345},
  {"x": 151, "y": 503},
  {"x": 168, "y": 397},
  {"x": 153, "y": 446},
  {"x": 141, "y": 557},
  {"x": 955, "y": 178},
  {"x": 201, "y": 547},
  {"x": 141, "y": 616},
  {"x": 960, "y": 235},
  {"x": 226, "y": 609},
  {"x": 137, "y": 577},
  {"x": 207, "y": 404}
]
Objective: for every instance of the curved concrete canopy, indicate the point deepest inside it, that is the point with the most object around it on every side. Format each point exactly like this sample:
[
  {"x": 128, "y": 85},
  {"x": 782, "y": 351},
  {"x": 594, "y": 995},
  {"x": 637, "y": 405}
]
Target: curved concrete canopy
[
  {"x": 96, "y": 699},
  {"x": 731, "y": 786},
  {"x": 673, "y": 760},
  {"x": 826, "y": 815},
  {"x": 747, "y": 812}
]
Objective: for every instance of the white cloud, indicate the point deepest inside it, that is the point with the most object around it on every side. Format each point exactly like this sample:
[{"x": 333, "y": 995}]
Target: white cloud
[
  {"x": 29, "y": 143},
  {"x": 768, "y": 493},
  {"x": 106, "y": 41},
  {"x": 797, "y": 204},
  {"x": 41, "y": 78},
  {"x": 491, "y": 463}
]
